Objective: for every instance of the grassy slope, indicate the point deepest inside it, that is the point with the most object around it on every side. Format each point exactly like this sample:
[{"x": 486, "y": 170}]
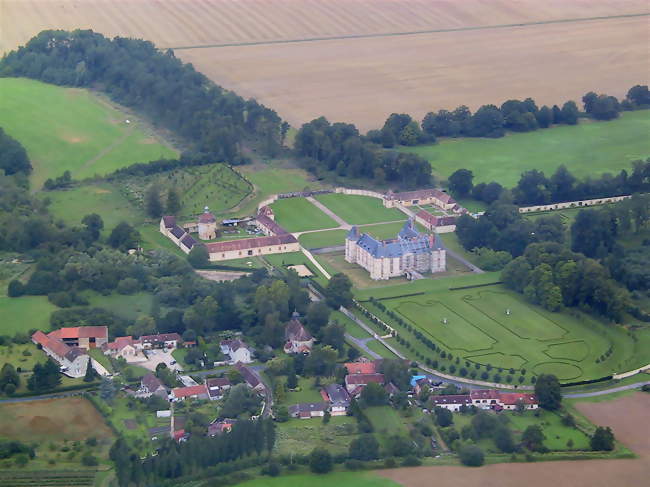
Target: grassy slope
[
  {"x": 71, "y": 129},
  {"x": 358, "y": 210},
  {"x": 588, "y": 149}
]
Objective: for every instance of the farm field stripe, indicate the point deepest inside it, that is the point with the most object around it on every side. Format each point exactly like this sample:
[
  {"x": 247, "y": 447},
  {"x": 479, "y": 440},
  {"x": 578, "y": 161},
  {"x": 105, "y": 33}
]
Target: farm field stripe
[{"x": 407, "y": 33}]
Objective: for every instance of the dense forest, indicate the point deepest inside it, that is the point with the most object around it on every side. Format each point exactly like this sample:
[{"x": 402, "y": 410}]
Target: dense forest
[
  {"x": 339, "y": 148},
  {"x": 134, "y": 73},
  {"x": 535, "y": 188},
  {"x": 13, "y": 157},
  {"x": 512, "y": 115}
]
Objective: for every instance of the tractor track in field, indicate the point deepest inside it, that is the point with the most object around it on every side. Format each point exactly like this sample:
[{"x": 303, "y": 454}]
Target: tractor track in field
[{"x": 405, "y": 33}]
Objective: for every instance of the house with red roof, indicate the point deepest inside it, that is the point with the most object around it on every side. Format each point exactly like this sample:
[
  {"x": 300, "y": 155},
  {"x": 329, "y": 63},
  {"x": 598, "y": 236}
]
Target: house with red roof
[
  {"x": 126, "y": 347},
  {"x": 191, "y": 392},
  {"x": 354, "y": 383},
  {"x": 364, "y": 367},
  {"x": 85, "y": 337},
  {"x": 439, "y": 224},
  {"x": 72, "y": 359},
  {"x": 493, "y": 399}
]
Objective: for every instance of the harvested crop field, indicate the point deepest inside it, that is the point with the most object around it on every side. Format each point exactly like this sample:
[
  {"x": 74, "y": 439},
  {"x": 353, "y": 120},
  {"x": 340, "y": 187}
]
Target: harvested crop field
[
  {"x": 347, "y": 60},
  {"x": 71, "y": 418},
  {"x": 626, "y": 415}
]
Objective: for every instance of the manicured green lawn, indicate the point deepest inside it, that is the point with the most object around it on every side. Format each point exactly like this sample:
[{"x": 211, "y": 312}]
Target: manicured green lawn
[
  {"x": 327, "y": 238},
  {"x": 298, "y": 215},
  {"x": 72, "y": 129},
  {"x": 24, "y": 314},
  {"x": 479, "y": 330},
  {"x": 305, "y": 392},
  {"x": 337, "y": 479},
  {"x": 358, "y": 210},
  {"x": 557, "y": 435},
  {"x": 301, "y": 436},
  {"x": 350, "y": 326},
  {"x": 587, "y": 149}
]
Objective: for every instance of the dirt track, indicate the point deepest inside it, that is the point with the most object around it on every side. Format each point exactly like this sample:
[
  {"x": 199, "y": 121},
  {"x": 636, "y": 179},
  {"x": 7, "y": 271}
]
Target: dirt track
[{"x": 628, "y": 417}]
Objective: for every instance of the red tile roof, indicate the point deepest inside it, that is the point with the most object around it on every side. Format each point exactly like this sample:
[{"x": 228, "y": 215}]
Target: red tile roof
[
  {"x": 422, "y": 194},
  {"x": 361, "y": 367},
  {"x": 189, "y": 391},
  {"x": 436, "y": 221},
  {"x": 484, "y": 394},
  {"x": 80, "y": 332},
  {"x": 512, "y": 398},
  {"x": 207, "y": 217},
  {"x": 250, "y": 243},
  {"x": 56, "y": 346},
  {"x": 360, "y": 379}
]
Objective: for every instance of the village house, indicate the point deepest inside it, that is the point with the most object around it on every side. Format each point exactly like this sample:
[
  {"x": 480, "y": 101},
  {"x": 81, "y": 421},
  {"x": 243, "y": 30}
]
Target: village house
[
  {"x": 217, "y": 387},
  {"x": 420, "y": 197},
  {"x": 391, "y": 389},
  {"x": 438, "y": 224},
  {"x": 308, "y": 410},
  {"x": 161, "y": 340},
  {"x": 362, "y": 367},
  {"x": 453, "y": 402},
  {"x": 251, "y": 378},
  {"x": 221, "y": 426},
  {"x": 354, "y": 383},
  {"x": 85, "y": 337},
  {"x": 410, "y": 253},
  {"x": 72, "y": 359},
  {"x": 338, "y": 398},
  {"x": 150, "y": 385},
  {"x": 493, "y": 399},
  {"x": 237, "y": 350},
  {"x": 191, "y": 392},
  {"x": 124, "y": 347},
  {"x": 421, "y": 384},
  {"x": 298, "y": 339}
]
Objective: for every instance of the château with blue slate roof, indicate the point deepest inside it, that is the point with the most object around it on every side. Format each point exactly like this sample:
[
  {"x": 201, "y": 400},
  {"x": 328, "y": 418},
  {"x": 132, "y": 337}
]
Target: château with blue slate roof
[{"x": 409, "y": 254}]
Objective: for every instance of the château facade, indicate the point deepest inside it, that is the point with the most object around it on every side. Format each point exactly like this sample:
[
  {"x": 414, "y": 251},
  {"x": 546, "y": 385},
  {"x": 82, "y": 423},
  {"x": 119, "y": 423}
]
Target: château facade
[{"x": 409, "y": 254}]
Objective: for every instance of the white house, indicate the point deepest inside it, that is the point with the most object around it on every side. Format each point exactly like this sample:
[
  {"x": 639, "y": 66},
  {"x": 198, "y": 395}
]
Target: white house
[
  {"x": 237, "y": 350},
  {"x": 452, "y": 402}
]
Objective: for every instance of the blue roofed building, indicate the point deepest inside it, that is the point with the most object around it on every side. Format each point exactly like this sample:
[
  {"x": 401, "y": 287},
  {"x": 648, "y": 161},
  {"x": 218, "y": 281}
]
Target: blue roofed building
[{"x": 410, "y": 254}]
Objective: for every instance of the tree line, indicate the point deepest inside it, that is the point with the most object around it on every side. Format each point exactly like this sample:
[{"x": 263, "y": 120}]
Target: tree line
[
  {"x": 535, "y": 188},
  {"x": 13, "y": 157},
  {"x": 134, "y": 73},
  {"x": 198, "y": 456},
  {"x": 512, "y": 115},
  {"x": 339, "y": 149}
]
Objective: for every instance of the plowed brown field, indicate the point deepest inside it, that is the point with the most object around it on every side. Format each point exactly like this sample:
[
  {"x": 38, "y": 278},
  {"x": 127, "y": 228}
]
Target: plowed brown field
[
  {"x": 628, "y": 418},
  {"x": 364, "y": 79}
]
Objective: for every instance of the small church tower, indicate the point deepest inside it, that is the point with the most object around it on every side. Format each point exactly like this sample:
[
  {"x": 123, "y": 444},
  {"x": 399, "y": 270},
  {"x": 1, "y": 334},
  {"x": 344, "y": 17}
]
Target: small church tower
[{"x": 207, "y": 225}]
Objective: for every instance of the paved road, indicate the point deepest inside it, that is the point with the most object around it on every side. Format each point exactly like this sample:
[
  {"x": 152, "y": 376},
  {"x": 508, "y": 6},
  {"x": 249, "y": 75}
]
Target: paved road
[
  {"x": 361, "y": 343},
  {"x": 345, "y": 225},
  {"x": 607, "y": 391}
]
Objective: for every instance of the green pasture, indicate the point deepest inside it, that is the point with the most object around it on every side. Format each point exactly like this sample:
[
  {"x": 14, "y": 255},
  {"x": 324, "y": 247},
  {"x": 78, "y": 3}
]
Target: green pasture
[
  {"x": 19, "y": 315},
  {"x": 386, "y": 421},
  {"x": 105, "y": 199},
  {"x": 305, "y": 392},
  {"x": 327, "y": 238},
  {"x": 129, "y": 307},
  {"x": 73, "y": 129},
  {"x": 301, "y": 436},
  {"x": 24, "y": 356},
  {"x": 358, "y": 210},
  {"x": 479, "y": 329},
  {"x": 587, "y": 149},
  {"x": 299, "y": 215},
  {"x": 338, "y": 479}
]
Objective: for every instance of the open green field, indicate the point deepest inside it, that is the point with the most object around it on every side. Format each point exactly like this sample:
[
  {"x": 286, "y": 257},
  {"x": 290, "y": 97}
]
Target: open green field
[
  {"x": 298, "y": 215},
  {"x": 73, "y": 129},
  {"x": 327, "y": 238},
  {"x": 479, "y": 329},
  {"x": 129, "y": 307},
  {"x": 24, "y": 313},
  {"x": 71, "y": 205},
  {"x": 24, "y": 356},
  {"x": 301, "y": 436},
  {"x": 587, "y": 149},
  {"x": 338, "y": 479},
  {"x": 305, "y": 392},
  {"x": 358, "y": 210}
]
